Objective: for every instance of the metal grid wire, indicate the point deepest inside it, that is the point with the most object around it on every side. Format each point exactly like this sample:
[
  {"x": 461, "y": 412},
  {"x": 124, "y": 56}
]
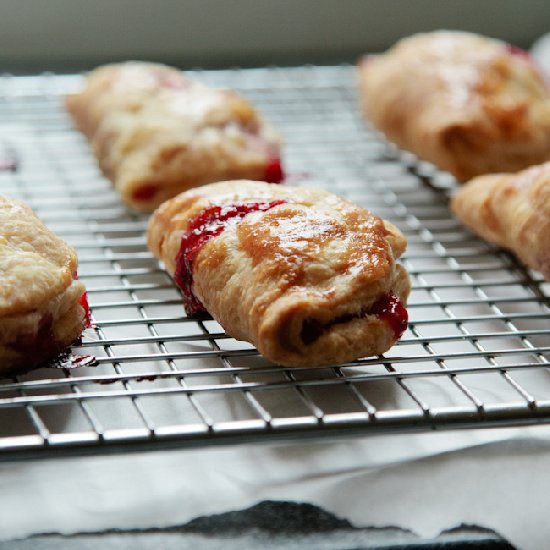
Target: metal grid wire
[{"x": 475, "y": 354}]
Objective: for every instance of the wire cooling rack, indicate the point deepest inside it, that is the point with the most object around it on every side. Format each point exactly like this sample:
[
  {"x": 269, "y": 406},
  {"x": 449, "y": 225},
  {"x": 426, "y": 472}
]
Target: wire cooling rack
[{"x": 475, "y": 354}]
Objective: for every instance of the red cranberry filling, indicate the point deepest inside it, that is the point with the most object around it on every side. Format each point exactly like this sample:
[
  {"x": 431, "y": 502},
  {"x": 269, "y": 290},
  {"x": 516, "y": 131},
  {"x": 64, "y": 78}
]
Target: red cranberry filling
[
  {"x": 389, "y": 308},
  {"x": 209, "y": 223},
  {"x": 312, "y": 329},
  {"x": 171, "y": 81},
  {"x": 83, "y": 301},
  {"x": 68, "y": 360},
  {"x": 41, "y": 342},
  {"x": 43, "y": 345},
  {"x": 514, "y": 50},
  {"x": 274, "y": 171},
  {"x": 87, "y": 316},
  {"x": 144, "y": 193}
]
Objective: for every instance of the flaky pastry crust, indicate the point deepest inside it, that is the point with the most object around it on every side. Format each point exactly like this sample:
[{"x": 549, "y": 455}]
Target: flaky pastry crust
[
  {"x": 155, "y": 132},
  {"x": 511, "y": 210},
  {"x": 469, "y": 104},
  {"x": 40, "y": 309},
  {"x": 314, "y": 260}
]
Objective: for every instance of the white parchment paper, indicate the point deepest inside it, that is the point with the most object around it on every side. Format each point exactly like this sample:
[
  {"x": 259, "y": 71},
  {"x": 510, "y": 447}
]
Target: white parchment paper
[{"x": 428, "y": 482}]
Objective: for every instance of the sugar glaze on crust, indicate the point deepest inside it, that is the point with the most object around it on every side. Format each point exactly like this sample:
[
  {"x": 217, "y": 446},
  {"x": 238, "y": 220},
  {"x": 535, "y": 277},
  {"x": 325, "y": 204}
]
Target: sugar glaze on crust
[
  {"x": 315, "y": 260},
  {"x": 511, "y": 210},
  {"x": 155, "y": 132},
  {"x": 42, "y": 304},
  {"x": 469, "y": 104}
]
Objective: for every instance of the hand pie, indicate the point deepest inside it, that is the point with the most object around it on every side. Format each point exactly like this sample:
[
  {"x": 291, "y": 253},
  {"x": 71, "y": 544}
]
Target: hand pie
[
  {"x": 156, "y": 133},
  {"x": 43, "y": 308},
  {"x": 307, "y": 277},
  {"x": 469, "y": 104},
  {"x": 511, "y": 210}
]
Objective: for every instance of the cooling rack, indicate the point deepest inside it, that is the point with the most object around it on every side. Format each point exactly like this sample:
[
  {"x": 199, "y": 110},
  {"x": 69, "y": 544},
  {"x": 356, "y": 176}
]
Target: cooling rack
[{"x": 475, "y": 353}]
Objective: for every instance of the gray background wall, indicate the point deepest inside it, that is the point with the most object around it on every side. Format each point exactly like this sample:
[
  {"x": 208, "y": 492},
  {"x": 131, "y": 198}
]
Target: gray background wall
[{"x": 69, "y": 34}]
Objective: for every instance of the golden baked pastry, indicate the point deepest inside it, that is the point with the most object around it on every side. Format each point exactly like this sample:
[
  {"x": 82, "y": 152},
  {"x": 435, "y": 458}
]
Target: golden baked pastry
[
  {"x": 43, "y": 307},
  {"x": 155, "y": 132},
  {"x": 511, "y": 210},
  {"x": 306, "y": 276},
  {"x": 470, "y": 105}
]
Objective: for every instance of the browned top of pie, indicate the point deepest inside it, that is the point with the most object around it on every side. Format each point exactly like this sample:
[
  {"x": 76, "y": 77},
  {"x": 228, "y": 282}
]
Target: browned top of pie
[
  {"x": 309, "y": 229},
  {"x": 468, "y": 103}
]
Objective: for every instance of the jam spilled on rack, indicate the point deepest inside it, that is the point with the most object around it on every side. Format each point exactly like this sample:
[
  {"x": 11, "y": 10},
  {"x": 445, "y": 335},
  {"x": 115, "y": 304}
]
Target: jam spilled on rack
[
  {"x": 389, "y": 307},
  {"x": 209, "y": 223},
  {"x": 43, "y": 343},
  {"x": 68, "y": 360}
]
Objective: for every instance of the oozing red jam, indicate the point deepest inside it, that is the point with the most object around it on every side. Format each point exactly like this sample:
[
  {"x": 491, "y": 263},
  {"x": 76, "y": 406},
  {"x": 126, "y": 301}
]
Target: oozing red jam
[
  {"x": 83, "y": 301},
  {"x": 84, "y": 304},
  {"x": 209, "y": 223},
  {"x": 144, "y": 193},
  {"x": 389, "y": 308},
  {"x": 171, "y": 81},
  {"x": 514, "y": 50},
  {"x": 274, "y": 171}
]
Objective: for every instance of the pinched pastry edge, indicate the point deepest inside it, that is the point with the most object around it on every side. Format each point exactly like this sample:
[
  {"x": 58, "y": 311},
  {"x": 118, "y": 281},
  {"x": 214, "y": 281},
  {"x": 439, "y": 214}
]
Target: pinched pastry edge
[{"x": 512, "y": 211}]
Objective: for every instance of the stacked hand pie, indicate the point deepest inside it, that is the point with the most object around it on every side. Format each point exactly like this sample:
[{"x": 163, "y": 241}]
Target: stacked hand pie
[{"x": 43, "y": 306}]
